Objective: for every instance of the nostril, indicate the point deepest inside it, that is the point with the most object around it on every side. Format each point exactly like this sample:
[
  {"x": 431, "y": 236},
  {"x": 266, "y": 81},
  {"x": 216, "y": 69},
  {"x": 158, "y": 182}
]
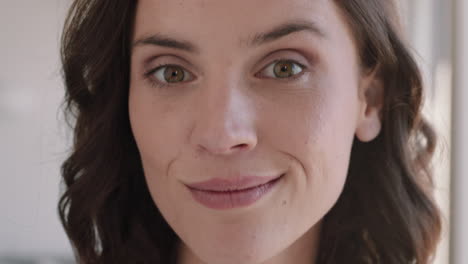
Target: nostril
[
  {"x": 241, "y": 146},
  {"x": 215, "y": 150},
  {"x": 221, "y": 143}
]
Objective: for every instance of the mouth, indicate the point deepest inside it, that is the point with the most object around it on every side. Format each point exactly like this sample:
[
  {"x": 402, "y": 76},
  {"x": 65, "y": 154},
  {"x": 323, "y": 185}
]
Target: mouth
[
  {"x": 221, "y": 194},
  {"x": 232, "y": 184}
]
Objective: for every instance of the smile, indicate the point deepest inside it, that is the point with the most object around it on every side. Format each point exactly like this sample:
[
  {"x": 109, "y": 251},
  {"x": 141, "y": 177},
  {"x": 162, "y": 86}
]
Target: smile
[{"x": 222, "y": 194}]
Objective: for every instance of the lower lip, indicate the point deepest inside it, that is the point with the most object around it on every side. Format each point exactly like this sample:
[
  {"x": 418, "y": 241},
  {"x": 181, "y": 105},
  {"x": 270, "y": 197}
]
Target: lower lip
[{"x": 233, "y": 199}]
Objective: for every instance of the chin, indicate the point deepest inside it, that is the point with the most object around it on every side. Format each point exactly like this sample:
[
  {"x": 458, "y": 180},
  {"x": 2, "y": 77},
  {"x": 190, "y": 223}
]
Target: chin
[
  {"x": 236, "y": 257},
  {"x": 251, "y": 249}
]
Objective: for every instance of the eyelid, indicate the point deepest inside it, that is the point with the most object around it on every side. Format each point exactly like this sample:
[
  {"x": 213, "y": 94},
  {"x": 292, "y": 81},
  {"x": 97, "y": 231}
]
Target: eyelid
[
  {"x": 304, "y": 58},
  {"x": 164, "y": 60},
  {"x": 304, "y": 69},
  {"x": 165, "y": 65},
  {"x": 150, "y": 74}
]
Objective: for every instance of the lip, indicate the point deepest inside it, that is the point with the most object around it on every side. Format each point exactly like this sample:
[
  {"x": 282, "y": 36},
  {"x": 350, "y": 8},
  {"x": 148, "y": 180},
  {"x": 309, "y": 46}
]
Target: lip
[
  {"x": 222, "y": 194},
  {"x": 234, "y": 184}
]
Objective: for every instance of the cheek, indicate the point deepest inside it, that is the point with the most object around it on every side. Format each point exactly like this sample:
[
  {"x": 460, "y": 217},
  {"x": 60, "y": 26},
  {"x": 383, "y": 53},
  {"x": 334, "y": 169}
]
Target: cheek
[
  {"x": 155, "y": 126},
  {"x": 315, "y": 131},
  {"x": 307, "y": 123},
  {"x": 160, "y": 138}
]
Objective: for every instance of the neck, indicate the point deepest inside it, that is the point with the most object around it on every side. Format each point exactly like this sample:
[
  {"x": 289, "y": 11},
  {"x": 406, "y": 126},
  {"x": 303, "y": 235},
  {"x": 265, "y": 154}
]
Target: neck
[{"x": 302, "y": 251}]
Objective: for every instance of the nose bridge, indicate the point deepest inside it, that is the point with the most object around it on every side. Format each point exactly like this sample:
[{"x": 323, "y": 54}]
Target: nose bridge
[
  {"x": 225, "y": 119},
  {"x": 224, "y": 99}
]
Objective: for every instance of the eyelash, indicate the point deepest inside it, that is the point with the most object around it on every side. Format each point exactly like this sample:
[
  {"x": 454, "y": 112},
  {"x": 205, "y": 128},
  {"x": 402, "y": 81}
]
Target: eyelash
[{"x": 149, "y": 76}]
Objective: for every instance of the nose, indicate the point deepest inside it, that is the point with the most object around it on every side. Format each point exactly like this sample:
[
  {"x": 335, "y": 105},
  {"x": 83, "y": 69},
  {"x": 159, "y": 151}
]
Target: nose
[{"x": 225, "y": 121}]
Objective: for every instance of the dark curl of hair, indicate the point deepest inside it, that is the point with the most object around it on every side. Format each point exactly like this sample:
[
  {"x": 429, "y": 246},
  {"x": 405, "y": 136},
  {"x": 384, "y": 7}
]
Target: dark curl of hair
[{"x": 385, "y": 214}]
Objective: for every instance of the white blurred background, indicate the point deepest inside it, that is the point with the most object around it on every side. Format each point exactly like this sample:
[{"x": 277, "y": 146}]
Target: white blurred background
[{"x": 33, "y": 137}]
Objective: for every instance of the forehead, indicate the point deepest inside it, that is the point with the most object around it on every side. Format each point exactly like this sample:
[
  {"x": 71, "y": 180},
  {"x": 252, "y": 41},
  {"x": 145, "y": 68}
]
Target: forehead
[{"x": 230, "y": 20}]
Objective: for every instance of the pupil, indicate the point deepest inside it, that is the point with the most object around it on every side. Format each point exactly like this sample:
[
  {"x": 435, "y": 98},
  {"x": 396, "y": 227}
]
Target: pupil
[{"x": 173, "y": 74}]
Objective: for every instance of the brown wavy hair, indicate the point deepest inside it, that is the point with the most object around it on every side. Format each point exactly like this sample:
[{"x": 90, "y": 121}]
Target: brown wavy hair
[{"x": 385, "y": 213}]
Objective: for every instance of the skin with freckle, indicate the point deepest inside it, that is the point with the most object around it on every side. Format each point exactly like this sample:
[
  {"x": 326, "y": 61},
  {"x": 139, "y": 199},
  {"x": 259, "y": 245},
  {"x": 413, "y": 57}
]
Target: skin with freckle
[{"x": 230, "y": 114}]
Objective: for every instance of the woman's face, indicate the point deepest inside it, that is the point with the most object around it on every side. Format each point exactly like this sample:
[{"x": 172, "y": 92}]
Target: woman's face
[{"x": 255, "y": 92}]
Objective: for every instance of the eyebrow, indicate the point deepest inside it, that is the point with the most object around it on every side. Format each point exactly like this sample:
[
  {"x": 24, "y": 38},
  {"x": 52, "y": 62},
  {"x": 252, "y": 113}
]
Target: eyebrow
[{"x": 257, "y": 39}]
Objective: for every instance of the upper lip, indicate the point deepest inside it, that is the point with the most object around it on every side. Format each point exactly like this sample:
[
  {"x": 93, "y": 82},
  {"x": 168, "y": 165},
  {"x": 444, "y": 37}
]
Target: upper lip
[{"x": 231, "y": 184}]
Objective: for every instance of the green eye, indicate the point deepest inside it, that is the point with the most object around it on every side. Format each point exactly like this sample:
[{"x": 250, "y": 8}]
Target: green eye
[
  {"x": 283, "y": 69},
  {"x": 170, "y": 74}
]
